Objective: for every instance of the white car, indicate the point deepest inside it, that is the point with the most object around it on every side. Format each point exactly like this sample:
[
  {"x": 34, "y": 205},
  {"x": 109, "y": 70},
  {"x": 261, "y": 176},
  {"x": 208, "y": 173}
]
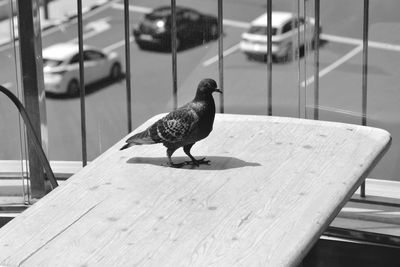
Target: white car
[
  {"x": 285, "y": 33},
  {"x": 61, "y": 67}
]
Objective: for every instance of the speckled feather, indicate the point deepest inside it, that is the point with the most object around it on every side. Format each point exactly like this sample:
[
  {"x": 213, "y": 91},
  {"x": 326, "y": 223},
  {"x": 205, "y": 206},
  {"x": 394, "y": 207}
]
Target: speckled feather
[{"x": 174, "y": 127}]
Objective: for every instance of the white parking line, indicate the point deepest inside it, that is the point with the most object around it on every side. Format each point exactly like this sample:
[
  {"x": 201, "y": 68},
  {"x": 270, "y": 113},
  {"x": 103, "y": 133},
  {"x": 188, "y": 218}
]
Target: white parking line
[
  {"x": 354, "y": 41},
  {"x": 334, "y": 65},
  {"x": 340, "y": 39},
  {"x": 139, "y": 9},
  {"x": 227, "y": 52}
]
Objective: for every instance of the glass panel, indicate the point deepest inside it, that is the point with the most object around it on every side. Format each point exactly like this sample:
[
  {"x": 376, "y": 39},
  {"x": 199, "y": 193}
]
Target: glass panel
[
  {"x": 61, "y": 81},
  {"x": 198, "y": 35},
  {"x": 12, "y": 147},
  {"x": 106, "y": 93},
  {"x": 383, "y": 107},
  {"x": 341, "y": 71},
  {"x": 104, "y": 67},
  {"x": 246, "y": 67},
  {"x": 245, "y": 71},
  {"x": 151, "y": 61}
]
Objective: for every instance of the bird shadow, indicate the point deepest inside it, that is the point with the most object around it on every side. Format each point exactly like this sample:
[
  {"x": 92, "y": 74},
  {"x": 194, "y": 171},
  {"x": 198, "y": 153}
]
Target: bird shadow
[{"x": 216, "y": 162}]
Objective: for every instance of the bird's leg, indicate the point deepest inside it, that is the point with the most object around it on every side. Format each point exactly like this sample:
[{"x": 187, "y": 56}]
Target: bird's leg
[
  {"x": 170, "y": 151},
  {"x": 194, "y": 161}
]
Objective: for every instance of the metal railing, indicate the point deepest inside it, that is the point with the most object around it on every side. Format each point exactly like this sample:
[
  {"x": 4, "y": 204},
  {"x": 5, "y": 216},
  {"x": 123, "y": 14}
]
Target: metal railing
[
  {"x": 269, "y": 100},
  {"x": 221, "y": 62},
  {"x": 365, "y": 72},
  {"x": 31, "y": 132}
]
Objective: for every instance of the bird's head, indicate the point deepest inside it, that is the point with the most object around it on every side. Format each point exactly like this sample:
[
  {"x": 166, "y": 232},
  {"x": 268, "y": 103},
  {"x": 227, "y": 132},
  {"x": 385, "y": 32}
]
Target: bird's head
[{"x": 208, "y": 86}]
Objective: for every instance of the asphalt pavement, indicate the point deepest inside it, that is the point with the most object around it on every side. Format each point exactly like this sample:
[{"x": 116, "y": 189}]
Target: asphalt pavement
[
  {"x": 60, "y": 11},
  {"x": 245, "y": 81}
]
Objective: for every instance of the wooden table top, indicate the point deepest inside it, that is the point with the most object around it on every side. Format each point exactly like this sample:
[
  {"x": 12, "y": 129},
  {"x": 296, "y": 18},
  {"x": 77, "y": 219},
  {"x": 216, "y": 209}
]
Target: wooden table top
[{"x": 274, "y": 184}]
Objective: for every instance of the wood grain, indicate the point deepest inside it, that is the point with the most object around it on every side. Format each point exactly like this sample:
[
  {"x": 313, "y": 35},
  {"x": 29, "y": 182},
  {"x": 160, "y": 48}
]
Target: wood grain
[{"x": 273, "y": 186}]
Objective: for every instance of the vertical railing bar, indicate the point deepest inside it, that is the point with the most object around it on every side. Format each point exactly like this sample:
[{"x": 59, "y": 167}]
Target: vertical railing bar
[
  {"x": 305, "y": 48},
  {"x": 82, "y": 84},
  {"x": 365, "y": 74},
  {"x": 46, "y": 9},
  {"x": 316, "y": 58},
  {"x": 25, "y": 188},
  {"x": 31, "y": 67},
  {"x": 128, "y": 66},
  {"x": 174, "y": 55},
  {"x": 365, "y": 62},
  {"x": 269, "y": 58},
  {"x": 221, "y": 54},
  {"x": 297, "y": 56}
]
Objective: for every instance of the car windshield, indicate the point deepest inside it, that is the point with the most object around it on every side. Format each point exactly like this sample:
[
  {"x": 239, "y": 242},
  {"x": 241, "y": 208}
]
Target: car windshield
[
  {"x": 51, "y": 62},
  {"x": 263, "y": 30}
]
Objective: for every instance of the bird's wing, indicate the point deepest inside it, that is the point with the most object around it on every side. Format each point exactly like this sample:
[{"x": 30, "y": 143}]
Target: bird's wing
[{"x": 175, "y": 126}]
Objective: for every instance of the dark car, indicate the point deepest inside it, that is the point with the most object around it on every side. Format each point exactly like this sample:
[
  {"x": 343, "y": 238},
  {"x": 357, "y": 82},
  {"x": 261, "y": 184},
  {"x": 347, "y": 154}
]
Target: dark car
[{"x": 192, "y": 27}]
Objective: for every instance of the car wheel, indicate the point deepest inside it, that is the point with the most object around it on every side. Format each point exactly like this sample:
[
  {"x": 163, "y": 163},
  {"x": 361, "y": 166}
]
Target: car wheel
[
  {"x": 115, "y": 71},
  {"x": 73, "y": 87},
  {"x": 249, "y": 56},
  {"x": 140, "y": 45}
]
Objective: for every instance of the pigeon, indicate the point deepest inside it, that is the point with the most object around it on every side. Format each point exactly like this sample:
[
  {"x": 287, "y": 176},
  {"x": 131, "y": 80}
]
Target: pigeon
[{"x": 184, "y": 126}]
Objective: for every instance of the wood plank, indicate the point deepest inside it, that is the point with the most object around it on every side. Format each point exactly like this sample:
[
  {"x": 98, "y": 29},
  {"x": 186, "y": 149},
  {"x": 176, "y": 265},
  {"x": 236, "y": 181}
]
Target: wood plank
[{"x": 273, "y": 186}]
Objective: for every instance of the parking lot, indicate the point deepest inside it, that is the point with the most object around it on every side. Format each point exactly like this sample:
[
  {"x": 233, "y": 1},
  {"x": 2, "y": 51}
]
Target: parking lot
[{"x": 245, "y": 81}]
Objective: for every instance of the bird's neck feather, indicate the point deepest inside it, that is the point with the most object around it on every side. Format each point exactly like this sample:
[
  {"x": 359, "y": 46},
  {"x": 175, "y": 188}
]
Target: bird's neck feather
[
  {"x": 204, "y": 106},
  {"x": 200, "y": 96}
]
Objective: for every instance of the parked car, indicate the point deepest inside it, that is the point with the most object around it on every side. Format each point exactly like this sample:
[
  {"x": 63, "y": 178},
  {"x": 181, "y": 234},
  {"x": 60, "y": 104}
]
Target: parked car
[
  {"x": 286, "y": 28},
  {"x": 61, "y": 67},
  {"x": 192, "y": 27}
]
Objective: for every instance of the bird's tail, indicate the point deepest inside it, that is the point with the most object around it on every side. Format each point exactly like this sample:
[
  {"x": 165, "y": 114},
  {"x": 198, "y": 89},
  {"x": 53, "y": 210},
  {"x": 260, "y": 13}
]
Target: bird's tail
[{"x": 141, "y": 138}]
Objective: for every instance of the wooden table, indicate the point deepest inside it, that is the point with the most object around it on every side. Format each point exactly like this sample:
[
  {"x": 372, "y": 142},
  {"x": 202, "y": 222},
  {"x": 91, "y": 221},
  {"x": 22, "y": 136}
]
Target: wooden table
[{"x": 273, "y": 186}]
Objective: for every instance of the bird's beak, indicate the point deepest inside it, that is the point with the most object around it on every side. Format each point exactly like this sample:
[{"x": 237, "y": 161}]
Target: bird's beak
[{"x": 218, "y": 91}]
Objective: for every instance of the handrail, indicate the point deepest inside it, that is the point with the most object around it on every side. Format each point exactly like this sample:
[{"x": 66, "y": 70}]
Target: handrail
[{"x": 36, "y": 142}]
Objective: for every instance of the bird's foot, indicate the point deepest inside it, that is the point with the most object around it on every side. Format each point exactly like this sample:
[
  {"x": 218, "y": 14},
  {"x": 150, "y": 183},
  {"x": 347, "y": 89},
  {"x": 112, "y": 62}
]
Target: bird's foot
[
  {"x": 198, "y": 162},
  {"x": 176, "y": 165}
]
